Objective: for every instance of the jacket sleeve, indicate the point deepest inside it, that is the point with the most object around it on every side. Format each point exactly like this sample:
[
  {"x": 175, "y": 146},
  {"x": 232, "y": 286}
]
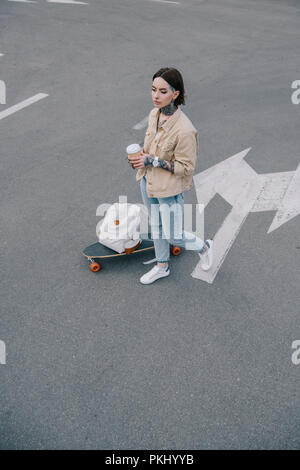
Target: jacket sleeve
[{"x": 185, "y": 154}]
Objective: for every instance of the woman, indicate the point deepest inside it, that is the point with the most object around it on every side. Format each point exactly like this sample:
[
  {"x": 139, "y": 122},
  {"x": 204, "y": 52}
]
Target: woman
[{"x": 165, "y": 169}]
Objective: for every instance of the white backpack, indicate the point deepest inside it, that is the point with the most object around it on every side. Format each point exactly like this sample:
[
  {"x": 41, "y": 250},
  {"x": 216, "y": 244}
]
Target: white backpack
[{"x": 120, "y": 228}]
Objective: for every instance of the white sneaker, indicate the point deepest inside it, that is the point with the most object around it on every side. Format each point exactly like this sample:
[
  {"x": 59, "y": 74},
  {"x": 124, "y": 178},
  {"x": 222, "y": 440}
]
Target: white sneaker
[
  {"x": 206, "y": 260},
  {"x": 155, "y": 273}
]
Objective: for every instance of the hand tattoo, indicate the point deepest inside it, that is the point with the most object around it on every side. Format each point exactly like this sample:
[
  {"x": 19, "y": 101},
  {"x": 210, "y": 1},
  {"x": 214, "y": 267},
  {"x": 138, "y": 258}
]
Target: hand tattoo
[{"x": 165, "y": 164}]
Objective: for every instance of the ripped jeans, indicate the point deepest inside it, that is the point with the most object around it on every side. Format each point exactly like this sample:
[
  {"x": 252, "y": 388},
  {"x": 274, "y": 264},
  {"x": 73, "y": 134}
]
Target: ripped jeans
[{"x": 163, "y": 228}]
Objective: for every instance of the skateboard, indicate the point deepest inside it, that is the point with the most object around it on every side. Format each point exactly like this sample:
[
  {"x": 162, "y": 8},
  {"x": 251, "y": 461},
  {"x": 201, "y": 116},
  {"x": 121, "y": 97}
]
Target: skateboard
[{"x": 99, "y": 251}]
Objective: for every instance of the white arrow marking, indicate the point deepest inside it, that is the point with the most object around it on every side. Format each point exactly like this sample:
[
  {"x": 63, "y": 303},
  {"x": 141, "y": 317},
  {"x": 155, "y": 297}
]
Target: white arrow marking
[
  {"x": 246, "y": 191},
  {"x": 274, "y": 186},
  {"x": 290, "y": 204},
  {"x": 142, "y": 124},
  {"x": 21, "y": 105}
]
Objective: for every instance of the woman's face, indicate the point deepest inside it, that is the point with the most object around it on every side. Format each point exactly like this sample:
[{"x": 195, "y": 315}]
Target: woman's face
[{"x": 162, "y": 94}]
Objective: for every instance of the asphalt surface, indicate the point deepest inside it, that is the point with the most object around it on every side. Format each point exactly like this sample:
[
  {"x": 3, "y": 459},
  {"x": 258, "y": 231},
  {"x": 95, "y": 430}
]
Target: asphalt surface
[{"x": 98, "y": 360}]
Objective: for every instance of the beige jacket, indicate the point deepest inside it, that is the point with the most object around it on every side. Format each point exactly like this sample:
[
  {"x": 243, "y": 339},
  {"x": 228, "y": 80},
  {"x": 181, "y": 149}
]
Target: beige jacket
[{"x": 176, "y": 140}]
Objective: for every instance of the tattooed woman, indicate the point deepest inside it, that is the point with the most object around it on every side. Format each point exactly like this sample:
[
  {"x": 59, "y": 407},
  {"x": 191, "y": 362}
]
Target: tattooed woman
[{"x": 165, "y": 170}]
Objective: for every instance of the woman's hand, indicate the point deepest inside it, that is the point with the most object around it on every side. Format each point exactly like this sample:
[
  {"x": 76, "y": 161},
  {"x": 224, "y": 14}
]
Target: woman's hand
[{"x": 139, "y": 162}]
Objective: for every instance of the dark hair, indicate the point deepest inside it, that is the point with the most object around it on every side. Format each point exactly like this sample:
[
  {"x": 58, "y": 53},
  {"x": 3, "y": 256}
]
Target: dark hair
[{"x": 174, "y": 78}]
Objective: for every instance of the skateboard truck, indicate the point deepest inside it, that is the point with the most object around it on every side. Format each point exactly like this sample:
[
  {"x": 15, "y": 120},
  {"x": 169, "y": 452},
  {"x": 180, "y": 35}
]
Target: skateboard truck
[{"x": 94, "y": 266}]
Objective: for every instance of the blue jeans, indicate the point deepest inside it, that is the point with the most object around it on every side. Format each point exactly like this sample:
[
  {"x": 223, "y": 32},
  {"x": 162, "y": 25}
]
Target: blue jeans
[{"x": 166, "y": 231}]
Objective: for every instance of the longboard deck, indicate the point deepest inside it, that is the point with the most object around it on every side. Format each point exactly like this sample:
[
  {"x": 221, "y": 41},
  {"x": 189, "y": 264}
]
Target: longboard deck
[{"x": 97, "y": 250}]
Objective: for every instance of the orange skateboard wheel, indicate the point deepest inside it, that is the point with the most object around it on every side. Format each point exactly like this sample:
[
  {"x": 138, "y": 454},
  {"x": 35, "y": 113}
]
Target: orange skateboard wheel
[
  {"x": 95, "y": 266},
  {"x": 176, "y": 250}
]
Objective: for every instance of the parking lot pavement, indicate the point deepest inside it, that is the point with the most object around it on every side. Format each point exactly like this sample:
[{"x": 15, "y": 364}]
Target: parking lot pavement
[{"x": 98, "y": 360}]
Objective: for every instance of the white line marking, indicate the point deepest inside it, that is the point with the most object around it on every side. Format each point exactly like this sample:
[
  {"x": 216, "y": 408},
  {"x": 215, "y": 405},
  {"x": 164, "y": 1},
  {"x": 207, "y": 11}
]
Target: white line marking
[
  {"x": 2, "y": 92},
  {"x": 165, "y": 1},
  {"x": 2, "y": 352},
  {"x": 2, "y": 89},
  {"x": 246, "y": 191},
  {"x": 21, "y": 105},
  {"x": 142, "y": 124},
  {"x": 23, "y": 1},
  {"x": 71, "y": 2}
]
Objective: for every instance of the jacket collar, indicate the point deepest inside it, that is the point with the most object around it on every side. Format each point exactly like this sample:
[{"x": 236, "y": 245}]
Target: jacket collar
[{"x": 171, "y": 121}]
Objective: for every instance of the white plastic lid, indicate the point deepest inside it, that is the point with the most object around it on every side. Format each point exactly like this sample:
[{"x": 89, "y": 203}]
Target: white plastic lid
[{"x": 133, "y": 148}]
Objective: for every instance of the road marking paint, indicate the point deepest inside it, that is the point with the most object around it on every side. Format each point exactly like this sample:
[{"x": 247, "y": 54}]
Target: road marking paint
[
  {"x": 21, "y": 105},
  {"x": 142, "y": 124},
  {"x": 2, "y": 352},
  {"x": 246, "y": 191},
  {"x": 289, "y": 205},
  {"x": 23, "y": 1},
  {"x": 2, "y": 89},
  {"x": 2, "y": 92},
  {"x": 165, "y": 1},
  {"x": 71, "y": 2}
]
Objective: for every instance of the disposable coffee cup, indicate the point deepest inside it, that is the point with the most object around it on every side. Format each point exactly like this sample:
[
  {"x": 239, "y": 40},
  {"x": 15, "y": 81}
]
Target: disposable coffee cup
[{"x": 133, "y": 150}]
